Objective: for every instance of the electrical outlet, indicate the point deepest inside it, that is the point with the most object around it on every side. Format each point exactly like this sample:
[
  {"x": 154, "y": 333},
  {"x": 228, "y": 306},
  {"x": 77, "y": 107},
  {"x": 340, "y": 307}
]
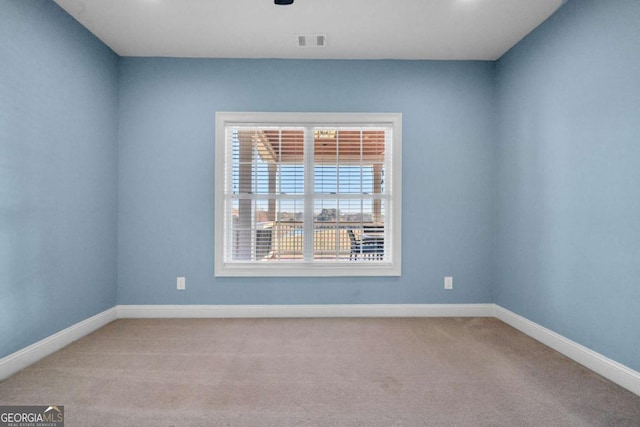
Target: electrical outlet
[
  {"x": 181, "y": 283},
  {"x": 448, "y": 282}
]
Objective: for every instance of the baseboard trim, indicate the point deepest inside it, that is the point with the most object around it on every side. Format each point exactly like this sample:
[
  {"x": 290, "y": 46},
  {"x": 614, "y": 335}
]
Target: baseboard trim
[
  {"x": 19, "y": 360},
  {"x": 608, "y": 368},
  {"x": 305, "y": 310}
]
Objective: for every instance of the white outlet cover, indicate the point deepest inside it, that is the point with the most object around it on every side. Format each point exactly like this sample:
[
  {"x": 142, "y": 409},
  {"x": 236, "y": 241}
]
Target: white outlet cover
[{"x": 448, "y": 282}]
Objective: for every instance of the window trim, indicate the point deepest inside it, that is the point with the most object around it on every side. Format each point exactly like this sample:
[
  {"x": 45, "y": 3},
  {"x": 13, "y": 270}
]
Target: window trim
[{"x": 303, "y": 268}]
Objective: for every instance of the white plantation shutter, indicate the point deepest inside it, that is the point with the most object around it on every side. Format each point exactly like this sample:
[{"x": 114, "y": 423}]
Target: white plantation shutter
[{"x": 307, "y": 194}]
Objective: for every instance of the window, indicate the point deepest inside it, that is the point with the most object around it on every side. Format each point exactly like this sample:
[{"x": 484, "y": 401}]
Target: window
[{"x": 308, "y": 194}]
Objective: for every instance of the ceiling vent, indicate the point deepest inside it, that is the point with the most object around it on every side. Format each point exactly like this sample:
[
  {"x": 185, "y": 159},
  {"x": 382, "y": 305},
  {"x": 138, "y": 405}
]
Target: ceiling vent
[{"x": 311, "y": 40}]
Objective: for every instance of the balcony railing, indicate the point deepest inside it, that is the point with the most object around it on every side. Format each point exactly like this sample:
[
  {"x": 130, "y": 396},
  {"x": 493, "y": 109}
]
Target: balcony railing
[{"x": 347, "y": 241}]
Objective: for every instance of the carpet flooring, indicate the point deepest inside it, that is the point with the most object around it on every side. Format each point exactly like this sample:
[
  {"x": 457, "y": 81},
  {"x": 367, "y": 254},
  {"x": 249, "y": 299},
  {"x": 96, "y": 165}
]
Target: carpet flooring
[{"x": 318, "y": 372}]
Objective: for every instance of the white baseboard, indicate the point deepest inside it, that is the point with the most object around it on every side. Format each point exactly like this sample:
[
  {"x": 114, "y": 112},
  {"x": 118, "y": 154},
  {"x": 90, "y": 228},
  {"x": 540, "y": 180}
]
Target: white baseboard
[
  {"x": 610, "y": 369},
  {"x": 19, "y": 360},
  {"x": 305, "y": 310}
]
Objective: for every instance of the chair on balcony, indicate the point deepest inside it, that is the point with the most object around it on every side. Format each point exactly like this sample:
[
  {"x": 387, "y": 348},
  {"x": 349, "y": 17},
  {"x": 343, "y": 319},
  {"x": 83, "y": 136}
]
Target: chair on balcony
[
  {"x": 264, "y": 242},
  {"x": 364, "y": 248}
]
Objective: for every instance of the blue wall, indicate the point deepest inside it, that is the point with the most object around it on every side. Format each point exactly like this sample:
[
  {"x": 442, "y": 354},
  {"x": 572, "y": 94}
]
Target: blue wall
[
  {"x": 569, "y": 177},
  {"x": 166, "y": 159},
  {"x": 58, "y": 173}
]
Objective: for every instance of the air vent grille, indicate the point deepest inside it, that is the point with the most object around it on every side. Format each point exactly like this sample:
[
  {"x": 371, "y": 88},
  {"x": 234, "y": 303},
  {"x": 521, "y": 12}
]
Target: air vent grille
[{"x": 311, "y": 40}]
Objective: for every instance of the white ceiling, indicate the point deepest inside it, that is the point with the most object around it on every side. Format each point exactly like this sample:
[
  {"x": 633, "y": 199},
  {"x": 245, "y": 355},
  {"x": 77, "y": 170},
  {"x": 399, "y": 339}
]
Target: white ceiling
[{"x": 355, "y": 29}]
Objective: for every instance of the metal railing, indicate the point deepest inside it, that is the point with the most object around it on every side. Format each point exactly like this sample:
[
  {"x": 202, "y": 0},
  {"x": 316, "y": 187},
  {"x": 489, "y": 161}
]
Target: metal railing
[{"x": 331, "y": 241}]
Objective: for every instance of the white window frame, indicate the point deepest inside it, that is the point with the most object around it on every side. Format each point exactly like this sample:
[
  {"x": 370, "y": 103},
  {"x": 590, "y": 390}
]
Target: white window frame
[{"x": 390, "y": 267}]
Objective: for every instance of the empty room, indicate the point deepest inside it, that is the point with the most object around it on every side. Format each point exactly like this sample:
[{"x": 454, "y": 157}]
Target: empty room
[{"x": 320, "y": 212}]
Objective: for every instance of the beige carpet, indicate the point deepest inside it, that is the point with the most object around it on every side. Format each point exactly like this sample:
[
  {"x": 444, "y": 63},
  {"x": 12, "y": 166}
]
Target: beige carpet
[{"x": 319, "y": 372}]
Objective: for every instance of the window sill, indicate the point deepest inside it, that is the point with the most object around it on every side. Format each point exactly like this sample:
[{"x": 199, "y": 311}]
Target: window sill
[{"x": 305, "y": 269}]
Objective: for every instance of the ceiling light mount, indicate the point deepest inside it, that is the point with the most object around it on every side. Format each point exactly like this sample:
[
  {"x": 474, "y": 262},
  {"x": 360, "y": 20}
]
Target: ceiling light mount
[{"x": 283, "y": 2}]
